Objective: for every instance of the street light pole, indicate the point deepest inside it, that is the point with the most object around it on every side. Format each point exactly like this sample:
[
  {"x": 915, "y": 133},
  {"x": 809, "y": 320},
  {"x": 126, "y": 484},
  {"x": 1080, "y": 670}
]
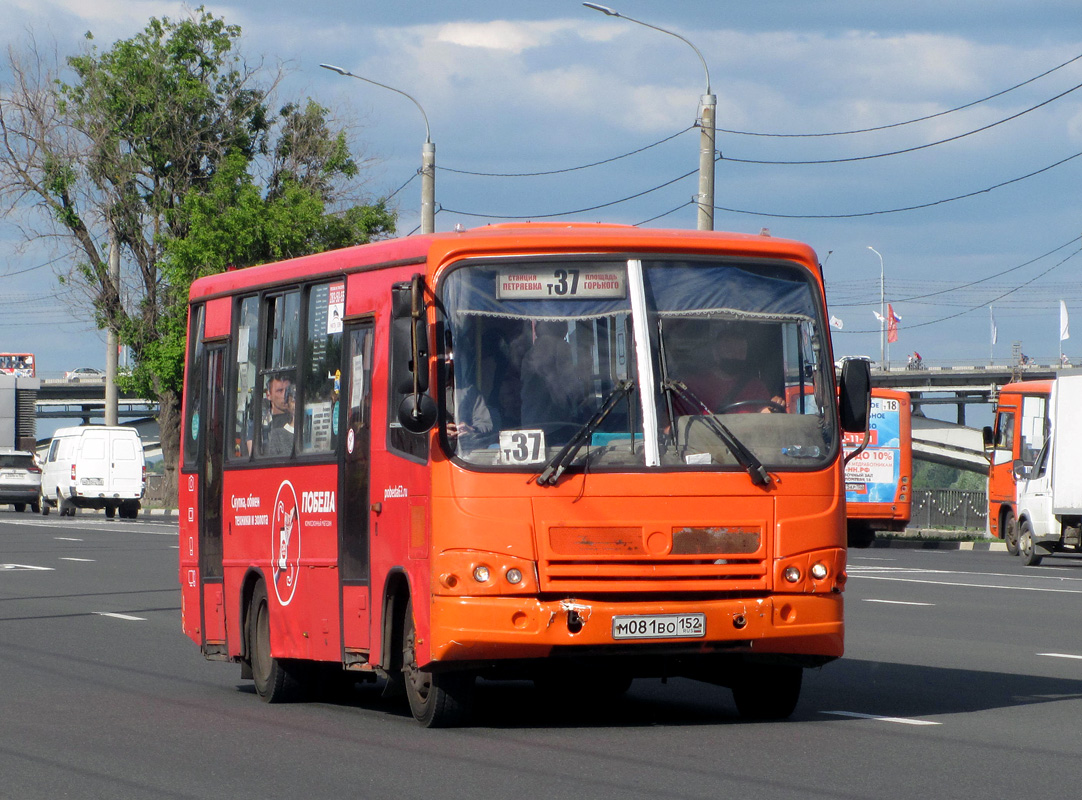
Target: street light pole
[
  {"x": 882, "y": 312},
  {"x": 707, "y": 132},
  {"x": 428, "y": 154}
]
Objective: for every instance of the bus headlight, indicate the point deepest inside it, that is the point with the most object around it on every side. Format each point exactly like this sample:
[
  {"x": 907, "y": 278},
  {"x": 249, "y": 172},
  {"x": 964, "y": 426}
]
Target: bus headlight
[
  {"x": 819, "y": 570},
  {"x": 481, "y": 573},
  {"x": 792, "y": 574},
  {"x": 514, "y": 576}
]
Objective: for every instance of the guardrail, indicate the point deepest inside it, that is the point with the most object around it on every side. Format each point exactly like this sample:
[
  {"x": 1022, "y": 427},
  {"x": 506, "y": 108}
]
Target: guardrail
[{"x": 949, "y": 508}]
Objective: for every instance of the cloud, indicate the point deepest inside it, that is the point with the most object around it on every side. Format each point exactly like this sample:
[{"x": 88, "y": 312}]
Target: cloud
[{"x": 512, "y": 37}]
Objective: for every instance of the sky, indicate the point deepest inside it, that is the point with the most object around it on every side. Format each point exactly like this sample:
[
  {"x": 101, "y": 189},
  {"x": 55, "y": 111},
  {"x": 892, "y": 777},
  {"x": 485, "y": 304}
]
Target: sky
[{"x": 531, "y": 106}]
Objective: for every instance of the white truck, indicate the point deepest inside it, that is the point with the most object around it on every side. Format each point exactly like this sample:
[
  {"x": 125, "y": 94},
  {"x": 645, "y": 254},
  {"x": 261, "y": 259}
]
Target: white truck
[{"x": 1050, "y": 491}]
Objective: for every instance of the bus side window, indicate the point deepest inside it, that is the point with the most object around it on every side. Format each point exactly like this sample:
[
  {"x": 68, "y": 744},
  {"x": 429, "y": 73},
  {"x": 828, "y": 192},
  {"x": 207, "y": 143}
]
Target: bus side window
[
  {"x": 322, "y": 368},
  {"x": 246, "y": 375},
  {"x": 279, "y": 378},
  {"x": 1004, "y": 439}
]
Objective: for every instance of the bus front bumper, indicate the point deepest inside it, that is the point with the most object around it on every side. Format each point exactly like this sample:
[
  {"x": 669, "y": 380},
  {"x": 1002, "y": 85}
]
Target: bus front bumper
[{"x": 483, "y": 629}]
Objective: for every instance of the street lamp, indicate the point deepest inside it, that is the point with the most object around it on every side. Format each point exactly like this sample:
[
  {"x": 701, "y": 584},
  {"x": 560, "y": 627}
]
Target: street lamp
[
  {"x": 882, "y": 312},
  {"x": 428, "y": 155},
  {"x": 709, "y": 101}
]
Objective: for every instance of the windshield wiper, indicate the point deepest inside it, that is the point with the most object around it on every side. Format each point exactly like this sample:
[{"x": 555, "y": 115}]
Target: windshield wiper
[
  {"x": 742, "y": 454},
  {"x": 556, "y": 465}
]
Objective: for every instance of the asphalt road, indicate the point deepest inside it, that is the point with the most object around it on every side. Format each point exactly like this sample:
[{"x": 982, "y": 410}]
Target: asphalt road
[{"x": 963, "y": 677}]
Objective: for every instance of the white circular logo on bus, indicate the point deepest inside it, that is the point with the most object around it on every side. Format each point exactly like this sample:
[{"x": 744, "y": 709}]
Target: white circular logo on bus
[{"x": 285, "y": 543}]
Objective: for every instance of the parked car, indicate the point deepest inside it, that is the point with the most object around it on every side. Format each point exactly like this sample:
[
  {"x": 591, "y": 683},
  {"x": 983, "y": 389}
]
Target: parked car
[
  {"x": 94, "y": 466},
  {"x": 84, "y": 374},
  {"x": 20, "y": 480}
]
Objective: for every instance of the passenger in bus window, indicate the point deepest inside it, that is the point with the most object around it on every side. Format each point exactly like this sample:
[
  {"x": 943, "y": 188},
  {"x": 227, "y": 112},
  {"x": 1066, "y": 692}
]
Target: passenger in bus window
[
  {"x": 278, "y": 433},
  {"x": 550, "y": 391},
  {"x": 729, "y": 382}
]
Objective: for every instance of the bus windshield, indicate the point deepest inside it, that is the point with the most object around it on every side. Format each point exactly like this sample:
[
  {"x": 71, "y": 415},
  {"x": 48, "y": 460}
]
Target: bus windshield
[{"x": 652, "y": 362}]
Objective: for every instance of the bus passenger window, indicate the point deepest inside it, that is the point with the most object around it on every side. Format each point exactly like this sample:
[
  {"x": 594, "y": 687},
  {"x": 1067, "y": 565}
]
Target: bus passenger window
[
  {"x": 278, "y": 414},
  {"x": 322, "y": 368},
  {"x": 247, "y": 376}
]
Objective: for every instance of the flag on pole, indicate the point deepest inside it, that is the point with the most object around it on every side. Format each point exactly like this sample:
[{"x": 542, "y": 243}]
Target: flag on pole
[
  {"x": 835, "y": 322},
  {"x": 995, "y": 333},
  {"x": 892, "y": 324},
  {"x": 1064, "y": 322}
]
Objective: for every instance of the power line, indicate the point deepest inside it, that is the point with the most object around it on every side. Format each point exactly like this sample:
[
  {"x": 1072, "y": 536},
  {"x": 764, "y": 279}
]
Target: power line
[
  {"x": 955, "y": 288},
  {"x": 566, "y": 169},
  {"x": 907, "y": 122},
  {"x": 897, "y": 210},
  {"x": 579, "y": 210},
  {"x": 981, "y": 305},
  {"x": 908, "y": 149}
]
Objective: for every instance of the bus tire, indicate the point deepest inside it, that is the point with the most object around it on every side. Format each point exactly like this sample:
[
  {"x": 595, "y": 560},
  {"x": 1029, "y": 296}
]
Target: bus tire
[
  {"x": 437, "y": 699},
  {"x": 275, "y": 679},
  {"x": 767, "y": 692},
  {"x": 1010, "y": 533},
  {"x": 1027, "y": 548}
]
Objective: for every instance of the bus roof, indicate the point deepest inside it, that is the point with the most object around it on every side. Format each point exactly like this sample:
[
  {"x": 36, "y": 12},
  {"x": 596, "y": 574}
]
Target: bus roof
[
  {"x": 1027, "y": 387},
  {"x": 549, "y": 237}
]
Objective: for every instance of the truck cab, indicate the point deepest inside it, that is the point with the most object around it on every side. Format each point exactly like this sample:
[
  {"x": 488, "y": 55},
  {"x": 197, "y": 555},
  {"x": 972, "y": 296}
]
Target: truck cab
[{"x": 1050, "y": 491}]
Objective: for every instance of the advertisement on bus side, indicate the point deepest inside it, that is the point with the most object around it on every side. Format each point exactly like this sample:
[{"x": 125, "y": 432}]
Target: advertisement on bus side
[{"x": 872, "y": 477}]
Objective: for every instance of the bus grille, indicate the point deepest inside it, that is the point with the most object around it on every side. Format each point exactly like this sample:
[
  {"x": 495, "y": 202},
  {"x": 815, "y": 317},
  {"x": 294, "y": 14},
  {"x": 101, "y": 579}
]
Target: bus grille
[{"x": 684, "y": 559}]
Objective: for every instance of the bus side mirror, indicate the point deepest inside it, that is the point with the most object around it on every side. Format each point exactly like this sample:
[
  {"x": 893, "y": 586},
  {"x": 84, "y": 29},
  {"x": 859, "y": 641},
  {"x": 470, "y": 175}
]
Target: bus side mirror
[
  {"x": 855, "y": 395},
  {"x": 987, "y": 435},
  {"x": 410, "y": 357}
]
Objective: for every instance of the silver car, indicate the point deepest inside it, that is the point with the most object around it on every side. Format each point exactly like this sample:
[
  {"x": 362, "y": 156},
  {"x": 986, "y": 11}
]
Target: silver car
[{"x": 20, "y": 480}]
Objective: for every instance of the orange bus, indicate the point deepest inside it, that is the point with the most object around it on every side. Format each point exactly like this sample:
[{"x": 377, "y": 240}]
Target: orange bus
[
  {"x": 878, "y": 481},
  {"x": 507, "y": 453},
  {"x": 1021, "y": 423}
]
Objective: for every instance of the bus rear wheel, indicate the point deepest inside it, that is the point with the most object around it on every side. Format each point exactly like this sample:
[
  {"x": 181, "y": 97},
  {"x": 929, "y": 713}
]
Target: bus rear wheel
[
  {"x": 437, "y": 699},
  {"x": 1010, "y": 533},
  {"x": 767, "y": 692},
  {"x": 275, "y": 679}
]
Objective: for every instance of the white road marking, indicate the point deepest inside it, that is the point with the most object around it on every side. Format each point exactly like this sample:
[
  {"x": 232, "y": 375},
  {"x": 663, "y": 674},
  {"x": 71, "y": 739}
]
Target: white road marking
[
  {"x": 971, "y": 585},
  {"x": 908, "y": 575},
  {"x": 897, "y": 602},
  {"x": 1061, "y": 655},
  {"x": 877, "y": 718},
  {"x": 17, "y": 567},
  {"x": 66, "y": 539},
  {"x": 120, "y": 616},
  {"x": 62, "y": 558}
]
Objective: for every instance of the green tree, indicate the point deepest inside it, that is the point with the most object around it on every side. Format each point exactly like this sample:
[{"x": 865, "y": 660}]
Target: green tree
[{"x": 154, "y": 147}]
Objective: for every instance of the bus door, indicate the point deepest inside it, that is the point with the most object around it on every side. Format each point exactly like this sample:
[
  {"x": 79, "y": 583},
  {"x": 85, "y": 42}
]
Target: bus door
[
  {"x": 354, "y": 562},
  {"x": 210, "y": 502}
]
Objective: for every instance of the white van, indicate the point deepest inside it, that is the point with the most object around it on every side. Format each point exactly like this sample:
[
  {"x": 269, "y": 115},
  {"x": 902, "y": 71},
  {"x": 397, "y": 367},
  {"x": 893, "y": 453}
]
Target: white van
[{"x": 94, "y": 466}]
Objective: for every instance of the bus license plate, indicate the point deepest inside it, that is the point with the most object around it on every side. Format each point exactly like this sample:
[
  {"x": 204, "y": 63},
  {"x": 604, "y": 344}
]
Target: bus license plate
[{"x": 659, "y": 626}]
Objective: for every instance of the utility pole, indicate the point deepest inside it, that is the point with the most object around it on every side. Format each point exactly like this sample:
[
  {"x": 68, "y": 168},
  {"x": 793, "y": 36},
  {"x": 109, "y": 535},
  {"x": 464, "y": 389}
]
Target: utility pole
[
  {"x": 707, "y": 135},
  {"x": 112, "y": 341},
  {"x": 428, "y": 154}
]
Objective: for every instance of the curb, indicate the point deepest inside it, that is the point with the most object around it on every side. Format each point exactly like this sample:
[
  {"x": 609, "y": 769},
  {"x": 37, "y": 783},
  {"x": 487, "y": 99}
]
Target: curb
[
  {"x": 143, "y": 512},
  {"x": 937, "y": 544}
]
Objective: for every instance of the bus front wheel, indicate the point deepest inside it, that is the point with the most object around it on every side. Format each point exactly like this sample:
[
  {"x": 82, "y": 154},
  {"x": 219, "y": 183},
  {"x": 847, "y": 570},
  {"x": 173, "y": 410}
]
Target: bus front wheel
[
  {"x": 275, "y": 679},
  {"x": 767, "y": 691},
  {"x": 437, "y": 699},
  {"x": 1010, "y": 533}
]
